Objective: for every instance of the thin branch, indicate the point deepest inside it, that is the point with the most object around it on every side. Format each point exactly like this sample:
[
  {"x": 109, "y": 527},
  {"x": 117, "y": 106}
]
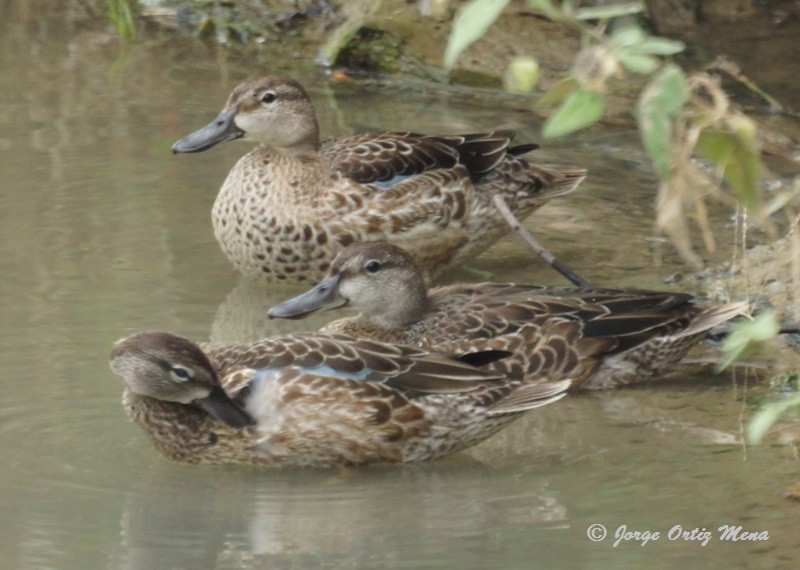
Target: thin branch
[{"x": 538, "y": 248}]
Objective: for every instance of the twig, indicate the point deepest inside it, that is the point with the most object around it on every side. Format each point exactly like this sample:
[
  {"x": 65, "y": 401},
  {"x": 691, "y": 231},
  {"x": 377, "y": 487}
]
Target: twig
[
  {"x": 732, "y": 69},
  {"x": 538, "y": 248}
]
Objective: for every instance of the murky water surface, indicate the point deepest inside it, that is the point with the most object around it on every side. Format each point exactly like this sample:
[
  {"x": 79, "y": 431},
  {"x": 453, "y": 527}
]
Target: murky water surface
[{"x": 104, "y": 232}]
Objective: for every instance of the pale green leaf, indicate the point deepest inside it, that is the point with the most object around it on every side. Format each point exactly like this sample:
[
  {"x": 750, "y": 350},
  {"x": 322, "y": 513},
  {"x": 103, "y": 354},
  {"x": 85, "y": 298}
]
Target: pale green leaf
[
  {"x": 469, "y": 25},
  {"x": 628, "y": 36},
  {"x": 521, "y": 75},
  {"x": 637, "y": 63},
  {"x": 557, "y": 92},
  {"x": 736, "y": 154},
  {"x": 658, "y": 46},
  {"x": 658, "y": 105},
  {"x": 545, "y": 7},
  {"x": 580, "y": 109},
  {"x": 747, "y": 334},
  {"x": 610, "y": 11},
  {"x": 766, "y": 416}
]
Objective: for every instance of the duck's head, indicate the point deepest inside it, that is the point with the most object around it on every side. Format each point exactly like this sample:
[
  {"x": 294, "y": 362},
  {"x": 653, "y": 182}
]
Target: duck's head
[
  {"x": 170, "y": 368},
  {"x": 377, "y": 278},
  {"x": 274, "y": 110}
]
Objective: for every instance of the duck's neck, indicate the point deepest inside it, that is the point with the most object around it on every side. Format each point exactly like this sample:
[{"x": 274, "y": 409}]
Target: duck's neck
[
  {"x": 397, "y": 316},
  {"x": 307, "y": 147},
  {"x": 178, "y": 431}
]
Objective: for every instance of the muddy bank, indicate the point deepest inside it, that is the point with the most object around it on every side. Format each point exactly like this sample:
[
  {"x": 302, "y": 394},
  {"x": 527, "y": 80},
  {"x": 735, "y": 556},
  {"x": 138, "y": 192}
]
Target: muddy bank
[{"x": 408, "y": 38}]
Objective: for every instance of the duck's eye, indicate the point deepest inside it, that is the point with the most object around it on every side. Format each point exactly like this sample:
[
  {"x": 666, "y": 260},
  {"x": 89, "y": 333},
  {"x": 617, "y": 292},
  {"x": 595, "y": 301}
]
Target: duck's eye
[
  {"x": 373, "y": 266},
  {"x": 180, "y": 373},
  {"x": 268, "y": 97}
]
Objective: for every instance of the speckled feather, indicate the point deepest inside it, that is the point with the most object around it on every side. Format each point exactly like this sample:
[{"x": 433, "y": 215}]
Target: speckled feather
[
  {"x": 599, "y": 338},
  {"x": 288, "y": 206},
  {"x": 320, "y": 400}
]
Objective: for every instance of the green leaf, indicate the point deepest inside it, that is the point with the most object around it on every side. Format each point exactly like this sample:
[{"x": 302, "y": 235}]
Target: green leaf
[
  {"x": 658, "y": 46},
  {"x": 627, "y": 36},
  {"x": 580, "y": 109},
  {"x": 659, "y": 104},
  {"x": 469, "y": 25},
  {"x": 611, "y": 11},
  {"x": 521, "y": 75},
  {"x": 736, "y": 153},
  {"x": 547, "y": 8},
  {"x": 637, "y": 63},
  {"x": 766, "y": 417},
  {"x": 557, "y": 92},
  {"x": 747, "y": 334}
]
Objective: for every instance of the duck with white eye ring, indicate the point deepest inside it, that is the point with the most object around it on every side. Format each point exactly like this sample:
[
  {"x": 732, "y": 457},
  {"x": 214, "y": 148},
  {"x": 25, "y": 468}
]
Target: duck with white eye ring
[
  {"x": 291, "y": 204},
  {"x": 315, "y": 400}
]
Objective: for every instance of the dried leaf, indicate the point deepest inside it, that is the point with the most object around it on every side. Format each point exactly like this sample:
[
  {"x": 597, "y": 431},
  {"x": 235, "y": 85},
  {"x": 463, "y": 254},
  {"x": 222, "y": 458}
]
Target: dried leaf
[{"x": 792, "y": 492}]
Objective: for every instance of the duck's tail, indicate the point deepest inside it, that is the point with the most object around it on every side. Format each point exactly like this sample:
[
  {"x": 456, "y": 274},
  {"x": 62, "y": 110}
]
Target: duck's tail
[{"x": 712, "y": 317}]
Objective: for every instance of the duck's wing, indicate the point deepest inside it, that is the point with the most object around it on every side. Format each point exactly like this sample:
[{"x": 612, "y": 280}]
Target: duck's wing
[
  {"x": 485, "y": 310},
  {"x": 358, "y": 360},
  {"x": 569, "y": 333},
  {"x": 385, "y": 159}
]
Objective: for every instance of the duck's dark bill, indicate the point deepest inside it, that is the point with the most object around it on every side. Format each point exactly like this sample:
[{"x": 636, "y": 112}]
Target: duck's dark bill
[
  {"x": 222, "y": 128},
  {"x": 220, "y": 405},
  {"x": 323, "y": 296}
]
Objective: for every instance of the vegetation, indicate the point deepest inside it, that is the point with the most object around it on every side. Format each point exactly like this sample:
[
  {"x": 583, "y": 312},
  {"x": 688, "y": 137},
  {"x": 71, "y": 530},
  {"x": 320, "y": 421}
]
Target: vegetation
[
  {"x": 680, "y": 117},
  {"x": 121, "y": 15}
]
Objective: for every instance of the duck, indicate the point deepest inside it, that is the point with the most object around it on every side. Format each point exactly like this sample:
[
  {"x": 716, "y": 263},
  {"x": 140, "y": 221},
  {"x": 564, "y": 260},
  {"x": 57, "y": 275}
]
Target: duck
[
  {"x": 599, "y": 338},
  {"x": 315, "y": 400},
  {"x": 291, "y": 204}
]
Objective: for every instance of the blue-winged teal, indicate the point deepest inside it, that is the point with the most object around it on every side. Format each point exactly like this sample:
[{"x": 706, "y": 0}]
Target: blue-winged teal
[
  {"x": 315, "y": 399},
  {"x": 288, "y": 206},
  {"x": 599, "y": 338}
]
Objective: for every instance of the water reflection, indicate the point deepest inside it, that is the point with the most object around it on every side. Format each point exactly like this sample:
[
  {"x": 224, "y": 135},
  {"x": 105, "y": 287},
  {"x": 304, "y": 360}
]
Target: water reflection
[{"x": 367, "y": 518}]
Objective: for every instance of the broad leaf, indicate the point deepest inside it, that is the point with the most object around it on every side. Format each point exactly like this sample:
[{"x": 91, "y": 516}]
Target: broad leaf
[
  {"x": 747, "y": 334},
  {"x": 637, "y": 63},
  {"x": 558, "y": 92},
  {"x": 469, "y": 25},
  {"x": 628, "y": 36},
  {"x": 547, "y": 8},
  {"x": 521, "y": 75},
  {"x": 737, "y": 155},
  {"x": 610, "y": 11},
  {"x": 659, "y": 104},
  {"x": 580, "y": 109},
  {"x": 658, "y": 46},
  {"x": 766, "y": 417}
]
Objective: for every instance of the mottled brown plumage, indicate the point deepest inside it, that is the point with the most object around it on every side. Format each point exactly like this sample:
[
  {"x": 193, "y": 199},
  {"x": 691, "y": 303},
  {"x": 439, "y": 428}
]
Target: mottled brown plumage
[
  {"x": 288, "y": 206},
  {"x": 598, "y": 338},
  {"x": 315, "y": 399}
]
